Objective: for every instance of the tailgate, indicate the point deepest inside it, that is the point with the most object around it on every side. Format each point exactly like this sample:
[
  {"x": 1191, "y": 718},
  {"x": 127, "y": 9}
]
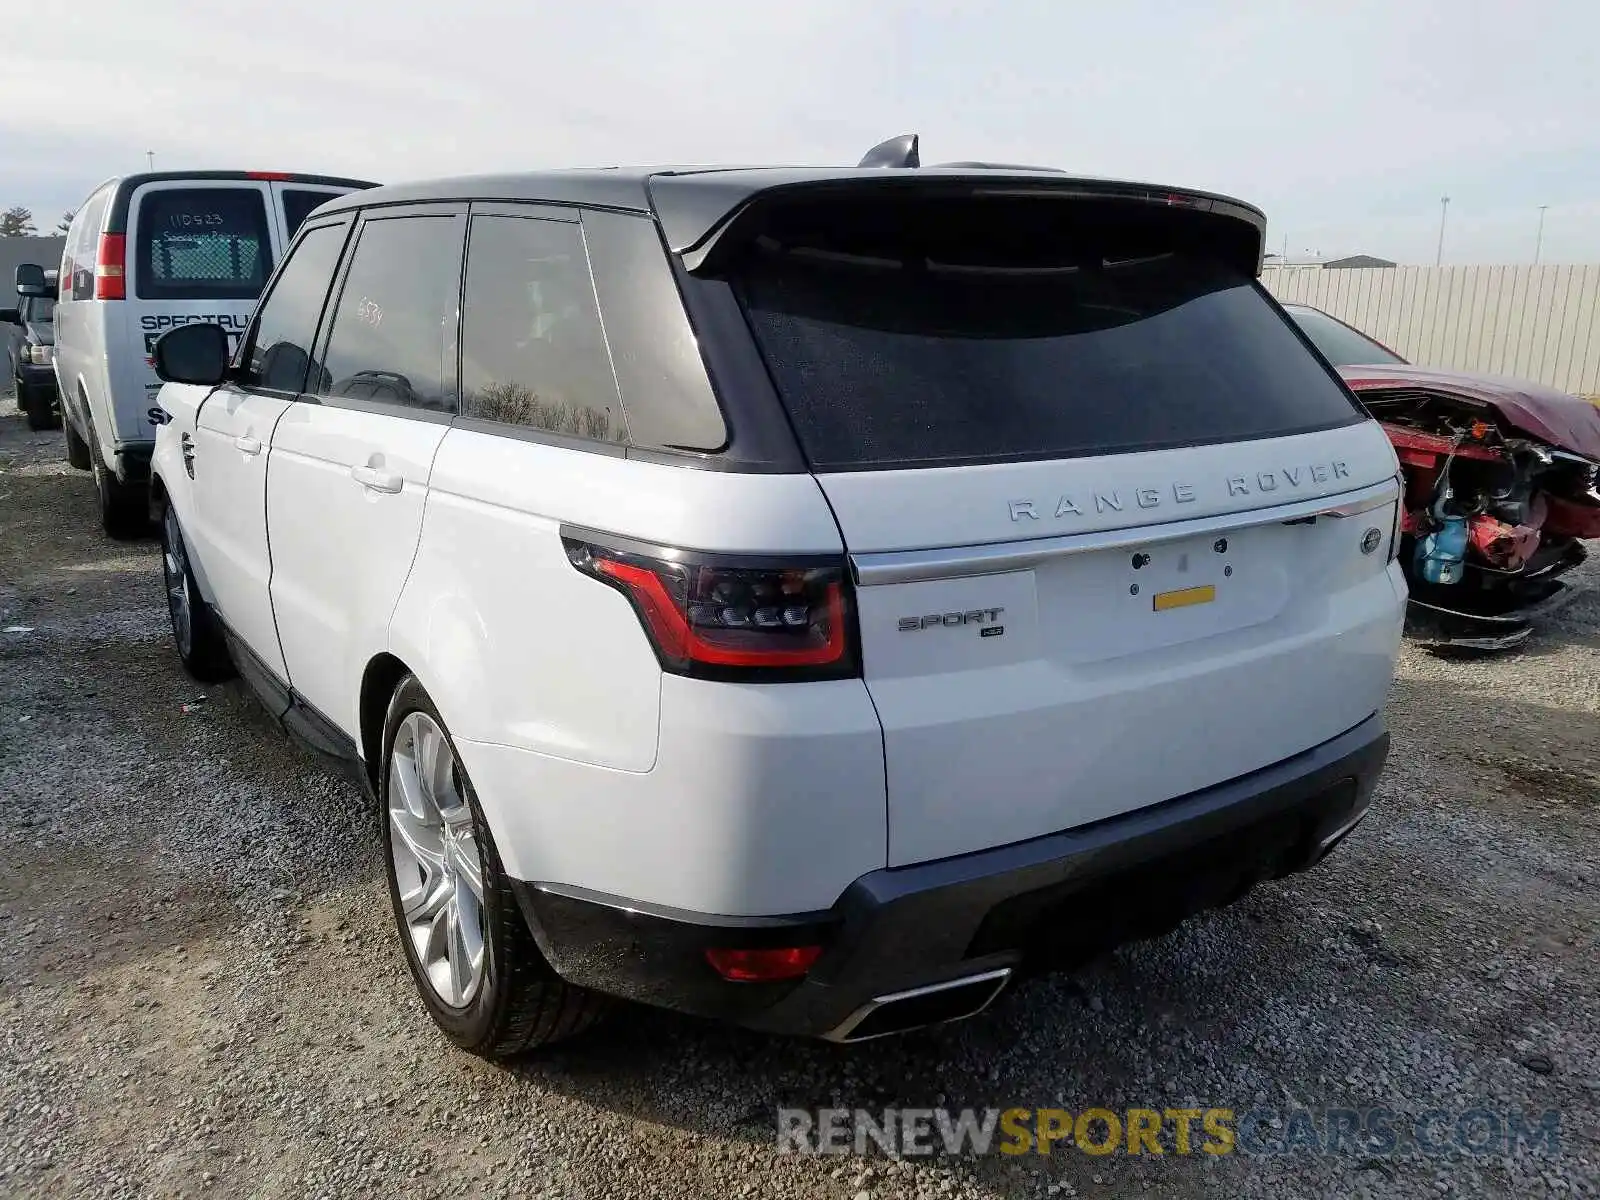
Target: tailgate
[
  {"x": 1030, "y": 686},
  {"x": 1118, "y": 534}
]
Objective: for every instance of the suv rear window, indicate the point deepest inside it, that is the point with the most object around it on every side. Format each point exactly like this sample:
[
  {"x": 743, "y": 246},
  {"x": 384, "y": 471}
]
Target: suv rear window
[
  {"x": 202, "y": 244},
  {"x": 961, "y": 330}
]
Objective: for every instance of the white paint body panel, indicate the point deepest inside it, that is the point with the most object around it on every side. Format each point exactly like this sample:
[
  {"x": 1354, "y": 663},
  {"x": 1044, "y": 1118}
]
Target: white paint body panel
[
  {"x": 1083, "y": 701},
  {"x": 341, "y": 551},
  {"x": 594, "y": 767},
  {"x": 229, "y": 532}
]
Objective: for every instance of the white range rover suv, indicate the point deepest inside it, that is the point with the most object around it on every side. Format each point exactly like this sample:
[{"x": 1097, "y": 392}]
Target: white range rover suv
[{"x": 811, "y": 598}]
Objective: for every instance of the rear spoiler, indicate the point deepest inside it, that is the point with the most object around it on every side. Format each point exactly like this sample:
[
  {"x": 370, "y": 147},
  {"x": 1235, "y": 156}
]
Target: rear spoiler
[
  {"x": 698, "y": 212},
  {"x": 1240, "y": 229}
]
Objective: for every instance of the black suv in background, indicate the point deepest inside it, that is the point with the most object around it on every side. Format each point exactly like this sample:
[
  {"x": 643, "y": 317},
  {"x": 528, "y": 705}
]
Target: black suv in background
[{"x": 31, "y": 357}]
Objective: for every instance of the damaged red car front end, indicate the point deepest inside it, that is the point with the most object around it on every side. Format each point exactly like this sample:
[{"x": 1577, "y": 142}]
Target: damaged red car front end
[
  {"x": 1500, "y": 486},
  {"x": 1502, "y": 472}
]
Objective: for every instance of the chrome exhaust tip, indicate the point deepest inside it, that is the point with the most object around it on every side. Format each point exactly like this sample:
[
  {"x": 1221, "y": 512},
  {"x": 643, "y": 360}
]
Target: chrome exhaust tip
[{"x": 917, "y": 1008}]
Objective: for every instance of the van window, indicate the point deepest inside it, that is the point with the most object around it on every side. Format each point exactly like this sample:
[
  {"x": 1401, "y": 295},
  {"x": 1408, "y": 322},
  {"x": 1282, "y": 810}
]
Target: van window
[
  {"x": 202, "y": 244},
  {"x": 394, "y": 332},
  {"x": 300, "y": 203},
  {"x": 83, "y": 248},
  {"x": 280, "y": 348},
  {"x": 961, "y": 331},
  {"x": 533, "y": 352}
]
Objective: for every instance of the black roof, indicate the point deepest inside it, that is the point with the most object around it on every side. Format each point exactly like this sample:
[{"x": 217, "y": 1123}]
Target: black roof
[{"x": 692, "y": 203}]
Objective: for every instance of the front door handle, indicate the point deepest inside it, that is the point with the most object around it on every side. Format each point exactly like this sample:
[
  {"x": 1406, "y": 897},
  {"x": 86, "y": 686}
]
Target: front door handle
[
  {"x": 375, "y": 480},
  {"x": 247, "y": 444}
]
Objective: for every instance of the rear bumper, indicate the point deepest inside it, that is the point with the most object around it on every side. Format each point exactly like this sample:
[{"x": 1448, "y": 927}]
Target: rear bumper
[
  {"x": 1049, "y": 901},
  {"x": 36, "y": 381}
]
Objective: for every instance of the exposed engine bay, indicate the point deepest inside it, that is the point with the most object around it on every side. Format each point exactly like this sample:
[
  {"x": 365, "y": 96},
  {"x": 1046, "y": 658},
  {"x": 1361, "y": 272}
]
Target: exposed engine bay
[{"x": 1492, "y": 517}]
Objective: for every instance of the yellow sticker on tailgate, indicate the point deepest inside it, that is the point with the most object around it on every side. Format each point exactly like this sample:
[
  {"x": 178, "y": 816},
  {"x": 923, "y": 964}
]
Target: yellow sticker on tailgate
[{"x": 1184, "y": 597}]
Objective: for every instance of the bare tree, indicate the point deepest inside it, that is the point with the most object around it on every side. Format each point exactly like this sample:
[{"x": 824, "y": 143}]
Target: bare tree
[{"x": 17, "y": 222}]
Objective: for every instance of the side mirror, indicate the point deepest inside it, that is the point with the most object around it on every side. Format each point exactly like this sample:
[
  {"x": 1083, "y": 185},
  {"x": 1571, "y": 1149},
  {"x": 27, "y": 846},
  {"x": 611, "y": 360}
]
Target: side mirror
[
  {"x": 196, "y": 353},
  {"x": 31, "y": 281},
  {"x": 10, "y": 316}
]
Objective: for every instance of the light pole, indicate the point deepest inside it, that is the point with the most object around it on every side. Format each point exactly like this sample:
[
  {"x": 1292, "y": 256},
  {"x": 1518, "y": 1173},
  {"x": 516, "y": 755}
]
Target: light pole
[
  {"x": 151, "y": 156},
  {"x": 1444, "y": 210},
  {"x": 1538, "y": 241}
]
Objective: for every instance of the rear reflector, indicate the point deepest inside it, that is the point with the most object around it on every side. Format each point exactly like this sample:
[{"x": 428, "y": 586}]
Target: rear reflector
[
  {"x": 763, "y": 966},
  {"x": 725, "y": 617},
  {"x": 109, "y": 283}
]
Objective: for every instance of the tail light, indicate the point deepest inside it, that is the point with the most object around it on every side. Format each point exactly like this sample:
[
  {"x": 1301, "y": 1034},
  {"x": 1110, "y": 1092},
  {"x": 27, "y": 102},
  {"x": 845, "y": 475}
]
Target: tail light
[
  {"x": 1399, "y": 519},
  {"x": 108, "y": 264},
  {"x": 720, "y": 616}
]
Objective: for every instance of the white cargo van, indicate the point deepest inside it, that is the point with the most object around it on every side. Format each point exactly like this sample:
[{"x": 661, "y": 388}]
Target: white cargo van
[{"x": 145, "y": 253}]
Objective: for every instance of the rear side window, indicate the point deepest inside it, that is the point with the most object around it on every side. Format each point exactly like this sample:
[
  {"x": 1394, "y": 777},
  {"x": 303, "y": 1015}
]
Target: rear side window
[
  {"x": 280, "y": 350},
  {"x": 202, "y": 244},
  {"x": 300, "y": 203},
  {"x": 929, "y": 332},
  {"x": 394, "y": 332},
  {"x": 533, "y": 352},
  {"x": 83, "y": 238}
]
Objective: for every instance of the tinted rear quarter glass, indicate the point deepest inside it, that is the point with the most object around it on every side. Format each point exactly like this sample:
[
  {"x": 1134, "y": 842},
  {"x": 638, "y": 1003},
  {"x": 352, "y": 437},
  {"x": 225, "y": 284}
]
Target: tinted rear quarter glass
[
  {"x": 202, "y": 244},
  {"x": 928, "y": 332}
]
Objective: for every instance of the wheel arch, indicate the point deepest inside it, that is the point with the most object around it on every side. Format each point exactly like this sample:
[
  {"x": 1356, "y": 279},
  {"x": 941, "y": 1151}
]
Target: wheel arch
[{"x": 378, "y": 682}]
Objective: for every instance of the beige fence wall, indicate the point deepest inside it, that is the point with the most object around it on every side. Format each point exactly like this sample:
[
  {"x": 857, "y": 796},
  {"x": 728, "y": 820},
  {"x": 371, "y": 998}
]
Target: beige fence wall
[{"x": 1538, "y": 323}]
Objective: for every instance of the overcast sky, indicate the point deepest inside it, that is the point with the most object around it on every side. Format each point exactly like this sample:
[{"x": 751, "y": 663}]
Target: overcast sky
[{"x": 1346, "y": 121}]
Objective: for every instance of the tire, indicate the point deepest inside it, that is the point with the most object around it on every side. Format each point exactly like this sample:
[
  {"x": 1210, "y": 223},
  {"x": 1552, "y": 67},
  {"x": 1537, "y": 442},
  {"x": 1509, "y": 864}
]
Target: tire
[
  {"x": 77, "y": 448},
  {"x": 36, "y": 405},
  {"x": 124, "y": 511},
  {"x": 508, "y": 1000},
  {"x": 196, "y": 632}
]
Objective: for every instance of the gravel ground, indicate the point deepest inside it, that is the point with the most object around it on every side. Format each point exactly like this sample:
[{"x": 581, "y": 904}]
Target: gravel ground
[{"x": 201, "y": 993}]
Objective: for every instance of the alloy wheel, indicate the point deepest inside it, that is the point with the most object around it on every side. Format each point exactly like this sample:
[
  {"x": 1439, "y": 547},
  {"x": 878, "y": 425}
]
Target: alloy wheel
[
  {"x": 438, "y": 868},
  {"x": 175, "y": 568}
]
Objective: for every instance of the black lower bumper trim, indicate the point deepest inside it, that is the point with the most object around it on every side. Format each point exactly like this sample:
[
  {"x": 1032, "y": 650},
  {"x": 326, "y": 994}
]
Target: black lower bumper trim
[
  {"x": 1047, "y": 902},
  {"x": 133, "y": 462}
]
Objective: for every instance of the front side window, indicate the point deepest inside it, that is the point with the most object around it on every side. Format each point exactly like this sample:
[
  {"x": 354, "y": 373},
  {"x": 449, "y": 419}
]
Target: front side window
[
  {"x": 394, "y": 332},
  {"x": 202, "y": 244},
  {"x": 533, "y": 352},
  {"x": 280, "y": 350}
]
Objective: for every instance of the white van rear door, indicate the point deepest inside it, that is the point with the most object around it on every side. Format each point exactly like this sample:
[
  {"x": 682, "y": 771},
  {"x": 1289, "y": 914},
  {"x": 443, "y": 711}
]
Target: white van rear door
[{"x": 197, "y": 250}]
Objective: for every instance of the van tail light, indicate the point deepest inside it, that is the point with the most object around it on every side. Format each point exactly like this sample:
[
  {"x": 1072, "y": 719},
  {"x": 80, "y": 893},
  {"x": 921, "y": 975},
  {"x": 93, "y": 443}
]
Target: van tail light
[
  {"x": 108, "y": 274},
  {"x": 718, "y": 616}
]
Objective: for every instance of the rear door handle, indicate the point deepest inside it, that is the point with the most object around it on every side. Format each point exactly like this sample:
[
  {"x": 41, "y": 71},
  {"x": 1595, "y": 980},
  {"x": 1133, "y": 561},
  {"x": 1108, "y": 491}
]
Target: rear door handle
[
  {"x": 375, "y": 480},
  {"x": 247, "y": 444}
]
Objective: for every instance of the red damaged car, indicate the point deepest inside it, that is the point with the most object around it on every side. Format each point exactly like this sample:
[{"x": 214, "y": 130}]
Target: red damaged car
[{"x": 1500, "y": 486}]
